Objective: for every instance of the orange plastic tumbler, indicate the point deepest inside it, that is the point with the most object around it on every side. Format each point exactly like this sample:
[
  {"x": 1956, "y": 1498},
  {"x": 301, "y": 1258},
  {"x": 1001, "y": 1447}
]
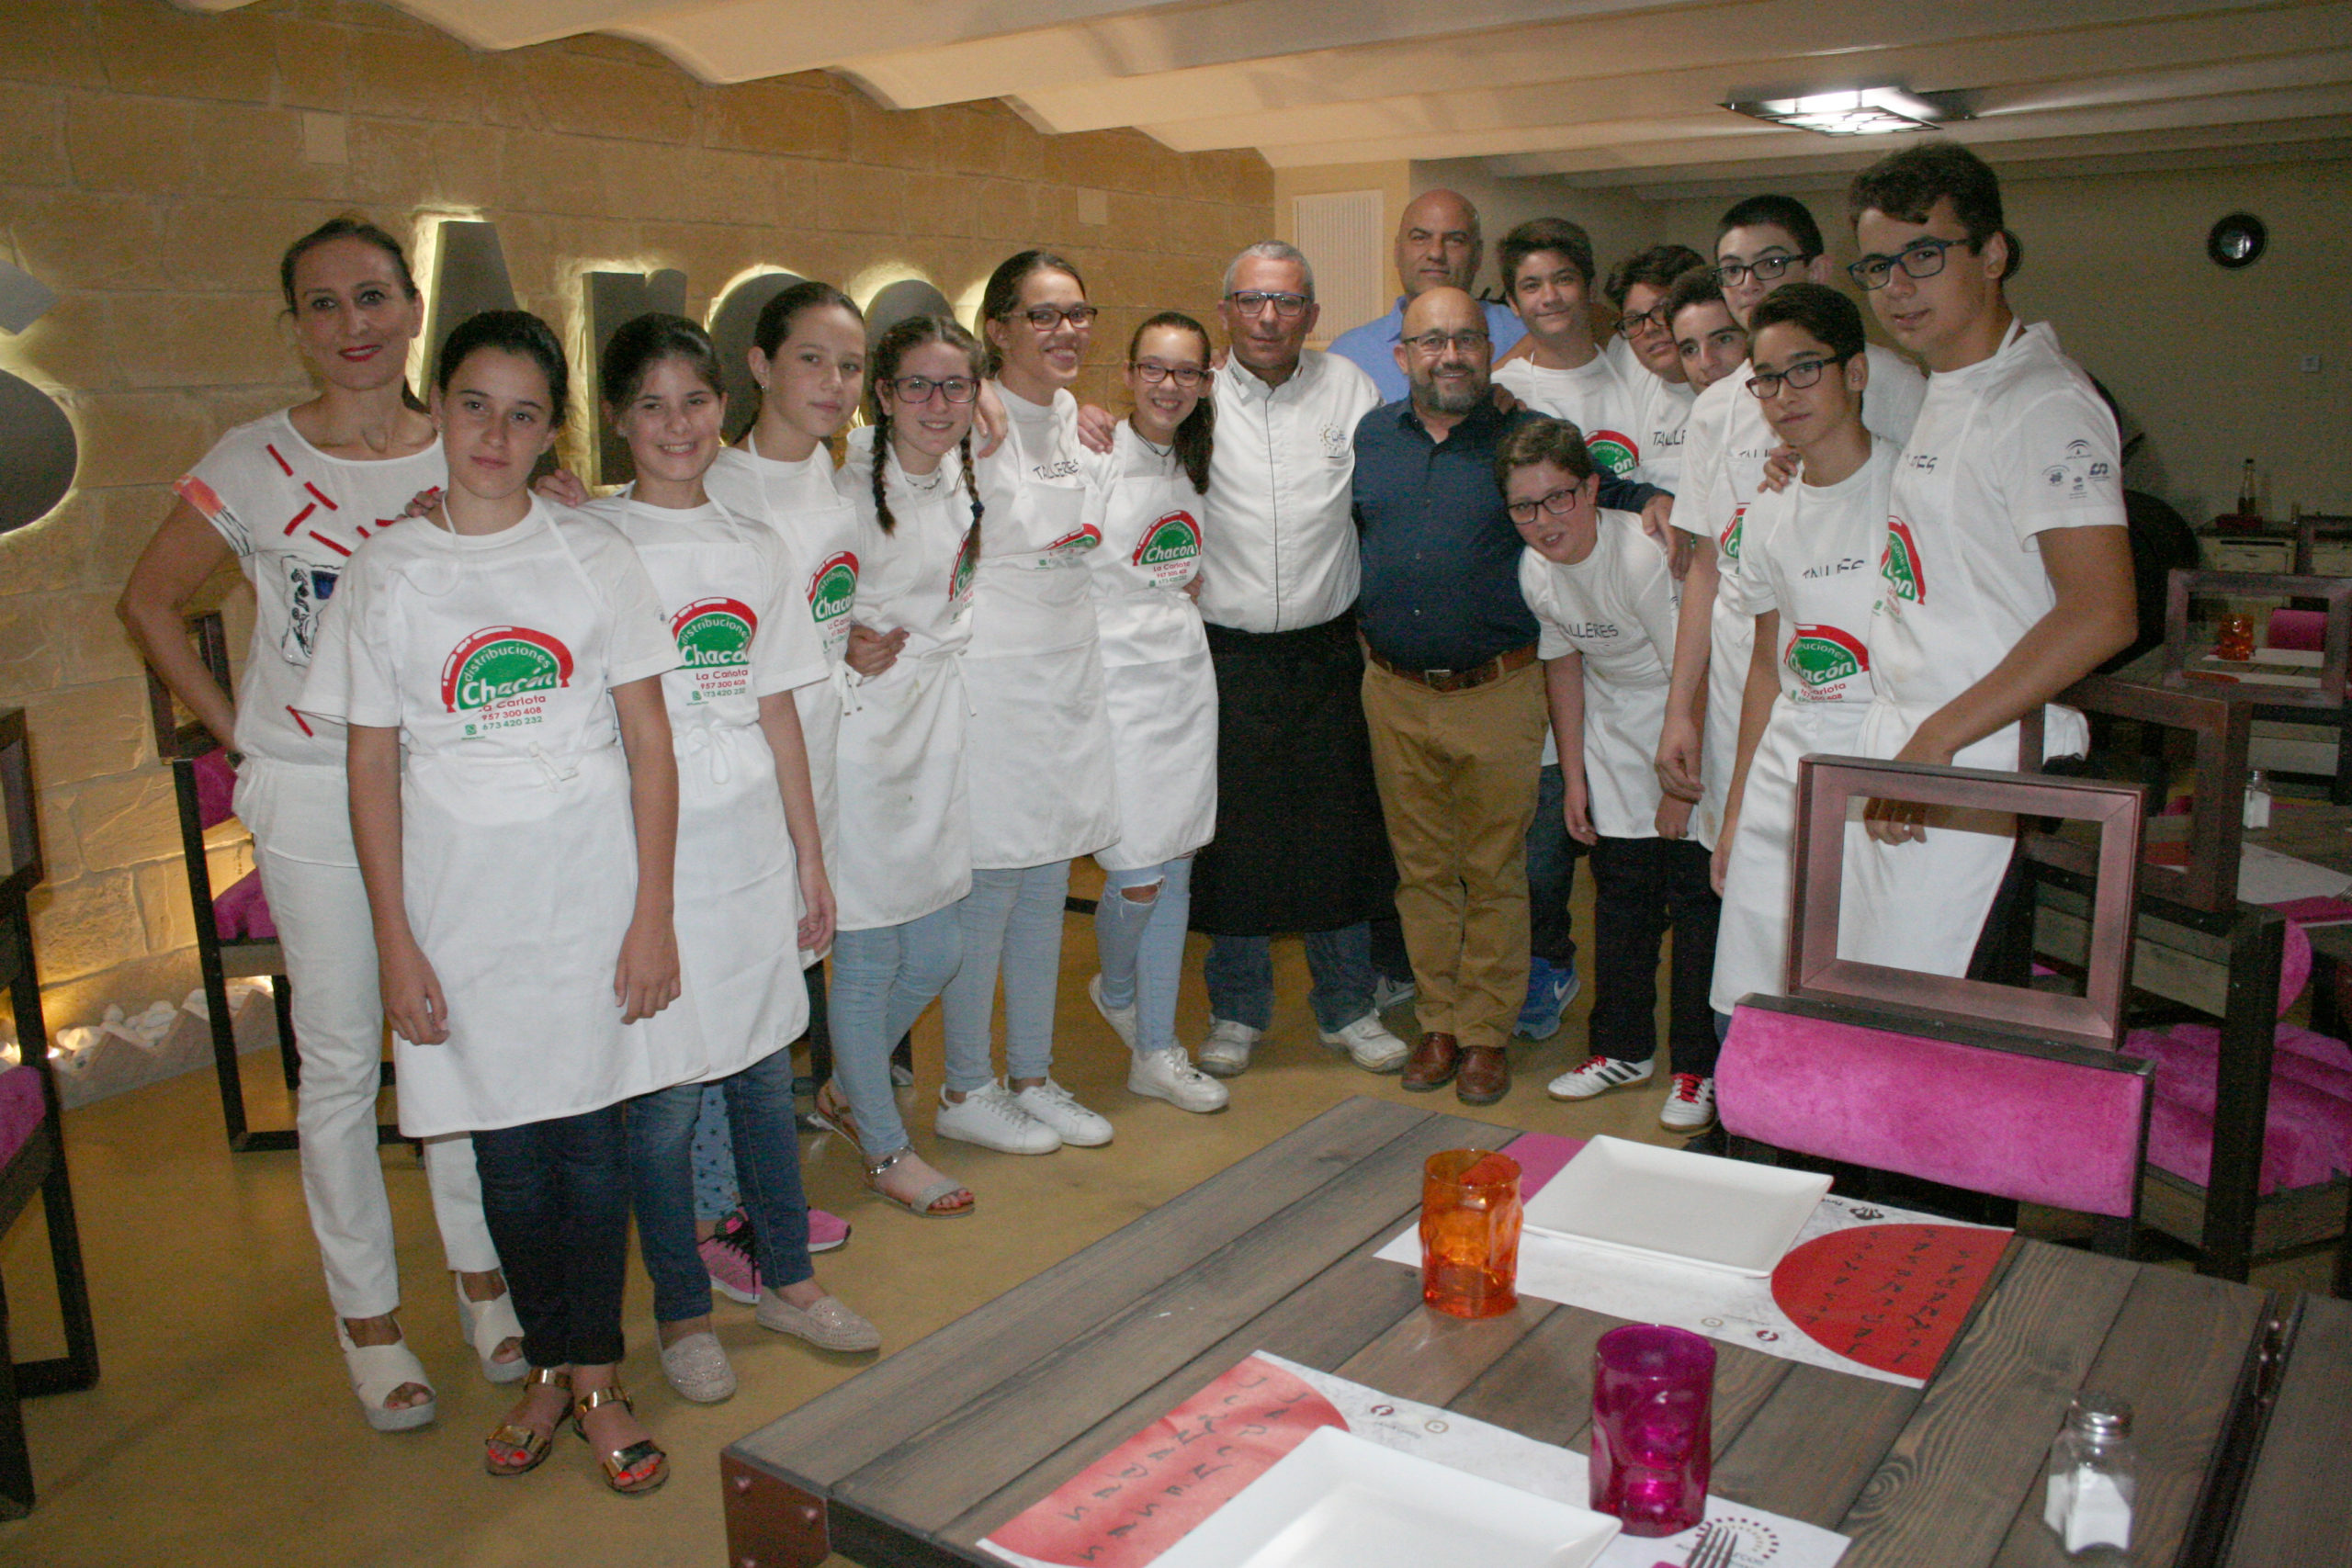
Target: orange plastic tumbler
[
  {"x": 1470, "y": 1219},
  {"x": 2235, "y": 638}
]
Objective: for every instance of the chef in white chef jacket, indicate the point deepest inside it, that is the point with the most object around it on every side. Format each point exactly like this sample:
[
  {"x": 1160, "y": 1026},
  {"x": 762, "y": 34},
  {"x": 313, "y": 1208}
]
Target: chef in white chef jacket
[
  {"x": 1764, "y": 242},
  {"x": 2006, "y": 569},
  {"x": 1807, "y": 574}
]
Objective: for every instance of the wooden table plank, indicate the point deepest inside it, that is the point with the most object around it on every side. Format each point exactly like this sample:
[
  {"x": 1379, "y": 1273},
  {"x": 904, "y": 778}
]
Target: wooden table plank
[
  {"x": 971, "y": 1448},
  {"x": 2177, "y": 1352},
  {"x": 1956, "y": 1474},
  {"x": 848, "y": 1426},
  {"x": 1841, "y": 1424},
  {"x": 2298, "y": 1510}
]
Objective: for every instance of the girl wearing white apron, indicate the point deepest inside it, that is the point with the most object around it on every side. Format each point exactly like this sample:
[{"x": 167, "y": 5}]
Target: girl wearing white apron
[
  {"x": 1804, "y": 573},
  {"x": 292, "y": 495},
  {"x": 905, "y": 825},
  {"x": 1039, "y": 757},
  {"x": 503, "y": 804},
  {"x": 749, "y": 863},
  {"x": 1145, "y": 504}
]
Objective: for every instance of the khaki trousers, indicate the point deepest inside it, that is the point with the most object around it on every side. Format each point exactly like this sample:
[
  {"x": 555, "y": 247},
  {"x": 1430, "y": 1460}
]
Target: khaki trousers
[{"x": 1457, "y": 774}]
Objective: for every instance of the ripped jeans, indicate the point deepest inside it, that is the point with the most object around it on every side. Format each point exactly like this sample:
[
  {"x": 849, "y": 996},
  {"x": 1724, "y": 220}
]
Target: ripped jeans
[{"x": 1141, "y": 944}]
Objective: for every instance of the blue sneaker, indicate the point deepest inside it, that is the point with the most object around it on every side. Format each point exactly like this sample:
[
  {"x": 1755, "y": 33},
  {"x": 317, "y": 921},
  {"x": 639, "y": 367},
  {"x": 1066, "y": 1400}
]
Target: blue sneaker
[{"x": 1549, "y": 992}]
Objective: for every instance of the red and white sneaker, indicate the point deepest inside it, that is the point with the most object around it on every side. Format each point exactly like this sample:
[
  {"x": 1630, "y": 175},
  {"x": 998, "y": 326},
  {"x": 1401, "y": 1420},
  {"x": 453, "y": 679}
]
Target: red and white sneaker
[
  {"x": 1689, "y": 1104},
  {"x": 1599, "y": 1076}
]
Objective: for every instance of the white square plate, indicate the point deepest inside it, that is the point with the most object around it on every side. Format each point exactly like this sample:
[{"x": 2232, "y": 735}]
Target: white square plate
[
  {"x": 1336, "y": 1501},
  {"x": 1669, "y": 1204}
]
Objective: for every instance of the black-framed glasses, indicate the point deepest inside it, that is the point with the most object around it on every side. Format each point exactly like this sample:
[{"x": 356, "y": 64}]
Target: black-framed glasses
[
  {"x": 1653, "y": 321},
  {"x": 1768, "y": 269},
  {"x": 1920, "y": 258},
  {"x": 1802, "y": 374},
  {"x": 1559, "y": 504},
  {"x": 919, "y": 389},
  {"x": 1433, "y": 343},
  {"x": 1186, "y": 375},
  {"x": 1046, "y": 318},
  {"x": 1256, "y": 302}
]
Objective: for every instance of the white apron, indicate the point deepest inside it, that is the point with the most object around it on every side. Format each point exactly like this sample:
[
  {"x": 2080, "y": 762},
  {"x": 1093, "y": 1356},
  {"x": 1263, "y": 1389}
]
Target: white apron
[
  {"x": 1158, "y": 687},
  {"x": 819, "y": 529},
  {"x": 738, "y": 900},
  {"x": 518, "y": 853},
  {"x": 906, "y": 826},
  {"x": 1039, "y": 750}
]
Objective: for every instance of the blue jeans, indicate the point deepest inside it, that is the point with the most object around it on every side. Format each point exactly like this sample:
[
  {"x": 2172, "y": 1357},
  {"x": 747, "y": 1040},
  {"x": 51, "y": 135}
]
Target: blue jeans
[
  {"x": 883, "y": 977},
  {"x": 1551, "y": 874},
  {"x": 1240, "y": 974},
  {"x": 556, "y": 1195},
  {"x": 1013, "y": 918},
  {"x": 1141, "y": 944},
  {"x": 767, "y": 1164}
]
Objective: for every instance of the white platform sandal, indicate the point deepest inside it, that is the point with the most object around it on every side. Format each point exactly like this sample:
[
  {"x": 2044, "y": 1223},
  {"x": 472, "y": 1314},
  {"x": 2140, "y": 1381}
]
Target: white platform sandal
[
  {"x": 488, "y": 1325},
  {"x": 376, "y": 1371}
]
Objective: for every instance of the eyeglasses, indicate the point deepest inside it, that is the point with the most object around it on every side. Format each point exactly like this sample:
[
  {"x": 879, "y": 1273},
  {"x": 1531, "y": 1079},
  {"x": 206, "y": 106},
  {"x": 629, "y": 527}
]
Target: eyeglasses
[
  {"x": 1634, "y": 326},
  {"x": 1289, "y": 307},
  {"x": 919, "y": 389},
  {"x": 1187, "y": 375},
  {"x": 1559, "y": 504},
  {"x": 1430, "y": 343},
  {"x": 1801, "y": 374},
  {"x": 1920, "y": 258},
  {"x": 1768, "y": 269},
  {"x": 1046, "y": 318}
]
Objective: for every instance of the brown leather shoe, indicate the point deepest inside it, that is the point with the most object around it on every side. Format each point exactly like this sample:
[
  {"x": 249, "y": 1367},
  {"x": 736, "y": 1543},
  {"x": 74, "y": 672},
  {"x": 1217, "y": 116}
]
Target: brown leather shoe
[
  {"x": 1432, "y": 1064},
  {"x": 1485, "y": 1075}
]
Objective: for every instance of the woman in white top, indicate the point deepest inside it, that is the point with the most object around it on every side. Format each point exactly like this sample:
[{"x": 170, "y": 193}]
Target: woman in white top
[
  {"x": 749, "y": 861},
  {"x": 1039, "y": 755},
  {"x": 1146, "y": 502},
  {"x": 905, "y": 856},
  {"x": 497, "y": 667},
  {"x": 292, "y": 496}
]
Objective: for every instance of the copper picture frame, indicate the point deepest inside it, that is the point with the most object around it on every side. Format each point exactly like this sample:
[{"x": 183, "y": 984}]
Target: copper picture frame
[
  {"x": 2335, "y": 642},
  {"x": 1826, "y": 788}
]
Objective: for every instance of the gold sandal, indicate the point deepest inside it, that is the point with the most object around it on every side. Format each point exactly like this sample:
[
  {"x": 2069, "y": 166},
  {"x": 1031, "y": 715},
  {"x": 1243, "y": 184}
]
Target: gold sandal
[
  {"x": 618, "y": 1463},
  {"x": 831, "y": 1111},
  {"x": 514, "y": 1435}
]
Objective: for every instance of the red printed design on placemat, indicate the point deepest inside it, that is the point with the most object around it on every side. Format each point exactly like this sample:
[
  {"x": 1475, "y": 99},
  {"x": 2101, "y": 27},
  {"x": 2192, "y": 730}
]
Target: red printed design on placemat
[
  {"x": 1142, "y": 1497},
  {"x": 1889, "y": 1296}
]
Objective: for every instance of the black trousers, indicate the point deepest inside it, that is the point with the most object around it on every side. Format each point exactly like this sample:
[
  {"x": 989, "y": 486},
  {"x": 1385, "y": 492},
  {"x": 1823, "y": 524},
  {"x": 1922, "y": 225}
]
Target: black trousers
[
  {"x": 1643, "y": 887},
  {"x": 556, "y": 1195}
]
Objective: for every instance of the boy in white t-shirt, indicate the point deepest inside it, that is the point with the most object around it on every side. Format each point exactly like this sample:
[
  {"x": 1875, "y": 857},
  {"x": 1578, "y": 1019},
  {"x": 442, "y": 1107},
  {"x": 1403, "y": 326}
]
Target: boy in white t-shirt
[
  {"x": 2008, "y": 571},
  {"x": 1603, "y": 599},
  {"x": 1646, "y": 357}
]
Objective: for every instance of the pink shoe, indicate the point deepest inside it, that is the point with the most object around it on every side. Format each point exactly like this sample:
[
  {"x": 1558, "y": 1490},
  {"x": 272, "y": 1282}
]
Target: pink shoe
[
  {"x": 727, "y": 1256},
  {"x": 826, "y": 1232}
]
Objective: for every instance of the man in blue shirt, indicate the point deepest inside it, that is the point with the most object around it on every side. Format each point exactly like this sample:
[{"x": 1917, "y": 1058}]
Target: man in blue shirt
[
  {"x": 1452, "y": 694},
  {"x": 1438, "y": 246}
]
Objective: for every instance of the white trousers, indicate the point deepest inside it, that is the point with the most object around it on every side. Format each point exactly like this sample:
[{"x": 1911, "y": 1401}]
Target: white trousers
[{"x": 330, "y": 946}]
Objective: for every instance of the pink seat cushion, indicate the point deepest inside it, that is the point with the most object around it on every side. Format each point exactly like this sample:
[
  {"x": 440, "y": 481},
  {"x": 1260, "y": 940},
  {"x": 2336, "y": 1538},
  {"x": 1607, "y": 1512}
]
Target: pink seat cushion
[
  {"x": 2308, "y": 1140},
  {"x": 242, "y": 911},
  {"x": 2302, "y": 629},
  {"x": 2015, "y": 1127},
  {"x": 21, "y": 1109},
  {"x": 216, "y": 788}
]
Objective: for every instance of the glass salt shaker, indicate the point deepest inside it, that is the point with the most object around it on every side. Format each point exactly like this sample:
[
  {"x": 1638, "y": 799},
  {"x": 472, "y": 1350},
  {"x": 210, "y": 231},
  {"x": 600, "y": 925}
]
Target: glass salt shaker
[
  {"x": 2257, "y": 799},
  {"x": 2093, "y": 1480}
]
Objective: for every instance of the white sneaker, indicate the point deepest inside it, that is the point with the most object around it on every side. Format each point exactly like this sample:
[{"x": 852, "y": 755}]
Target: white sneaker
[
  {"x": 1689, "y": 1104},
  {"x": 1169, "y": 1075},
  {"x": 1388, "y": 993},
  {"x": 1226, "y": 1053},
  {"x": 1368, "y": 1045},
  {"x": 1121, "y": 1019},
  {"x": 1055, "y": 1106},
  {"x": 991, "y": 1118},
  {"x": 1599, "y": 1076}
]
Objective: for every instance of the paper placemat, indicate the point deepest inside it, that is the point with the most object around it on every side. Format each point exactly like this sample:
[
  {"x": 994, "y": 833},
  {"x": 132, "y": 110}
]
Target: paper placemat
[
  {"x": 1866, "y": 1289},
  {"x": 1135, "y": 1503}
]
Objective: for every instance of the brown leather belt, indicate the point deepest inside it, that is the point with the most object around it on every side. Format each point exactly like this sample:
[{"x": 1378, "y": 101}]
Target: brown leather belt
[{"x": 1493, "y": 669}]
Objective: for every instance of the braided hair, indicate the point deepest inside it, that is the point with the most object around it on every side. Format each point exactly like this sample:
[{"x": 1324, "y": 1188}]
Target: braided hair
[{"x": 889, "y": 353}]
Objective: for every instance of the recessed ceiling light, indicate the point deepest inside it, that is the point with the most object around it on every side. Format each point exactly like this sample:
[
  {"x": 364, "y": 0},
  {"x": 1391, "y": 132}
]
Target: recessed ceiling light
[{"x": 1859, "y": 111}]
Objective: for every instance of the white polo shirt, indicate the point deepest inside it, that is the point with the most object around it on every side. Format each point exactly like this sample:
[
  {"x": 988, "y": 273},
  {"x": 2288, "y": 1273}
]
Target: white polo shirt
[{"x": 1278, "y": 545}]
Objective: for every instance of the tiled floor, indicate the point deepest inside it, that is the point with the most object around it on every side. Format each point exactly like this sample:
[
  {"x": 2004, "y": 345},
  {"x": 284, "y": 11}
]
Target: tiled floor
[{"x": 223, "y": 1431}]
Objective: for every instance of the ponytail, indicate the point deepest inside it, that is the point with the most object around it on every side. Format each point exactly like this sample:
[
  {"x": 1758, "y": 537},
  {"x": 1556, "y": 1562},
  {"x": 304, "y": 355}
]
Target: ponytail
[
  {"x": 972, "y": 492},
  {"x": 881, "y": 459}
]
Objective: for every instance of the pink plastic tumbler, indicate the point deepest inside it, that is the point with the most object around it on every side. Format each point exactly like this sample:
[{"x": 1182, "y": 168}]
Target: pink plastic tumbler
[{"x": 1653, "y": 1390}]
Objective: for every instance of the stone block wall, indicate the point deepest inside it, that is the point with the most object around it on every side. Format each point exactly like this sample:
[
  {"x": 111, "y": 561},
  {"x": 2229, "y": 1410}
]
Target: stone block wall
[{"x": 158, "y": 161}]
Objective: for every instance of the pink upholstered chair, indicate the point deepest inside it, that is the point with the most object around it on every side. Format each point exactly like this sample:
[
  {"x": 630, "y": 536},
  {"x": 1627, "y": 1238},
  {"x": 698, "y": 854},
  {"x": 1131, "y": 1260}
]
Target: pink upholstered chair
[{"x": 2016, "y": 1093}]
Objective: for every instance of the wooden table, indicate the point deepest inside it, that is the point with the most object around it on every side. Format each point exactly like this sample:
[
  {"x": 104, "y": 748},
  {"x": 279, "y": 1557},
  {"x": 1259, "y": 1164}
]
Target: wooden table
[{"x": 917, "y": 1459}]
